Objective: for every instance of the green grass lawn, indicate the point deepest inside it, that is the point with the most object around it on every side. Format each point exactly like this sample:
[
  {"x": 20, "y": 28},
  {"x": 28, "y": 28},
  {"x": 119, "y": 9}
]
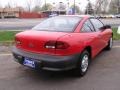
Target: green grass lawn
[
  {"x": 115, "y": 35},
  {"x": 8, "y": 36}
]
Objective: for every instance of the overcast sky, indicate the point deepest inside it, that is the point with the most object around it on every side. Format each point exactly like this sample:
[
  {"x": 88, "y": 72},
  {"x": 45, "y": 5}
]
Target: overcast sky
[{"x": 82, "y": 3}]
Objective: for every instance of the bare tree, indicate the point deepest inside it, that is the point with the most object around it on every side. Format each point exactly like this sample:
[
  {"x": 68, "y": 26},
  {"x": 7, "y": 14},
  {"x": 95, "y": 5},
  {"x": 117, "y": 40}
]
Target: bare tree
[
  {"x": 37, "y": 3},
  {"x": 46, "y": 6},
  {"x": 29, "y": 5},
  {"x": 102, "y": 6},
  {"x": 9, "y": 5},
  {"x": 37, "y": 6},
  {"x": 98, "y": 5},
  {"x": 114, "y": 6}
]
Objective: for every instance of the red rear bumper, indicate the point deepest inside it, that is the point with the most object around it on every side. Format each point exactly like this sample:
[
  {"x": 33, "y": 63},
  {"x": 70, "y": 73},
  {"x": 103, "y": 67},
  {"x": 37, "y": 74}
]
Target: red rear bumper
[{"x": 47, "y": 62}]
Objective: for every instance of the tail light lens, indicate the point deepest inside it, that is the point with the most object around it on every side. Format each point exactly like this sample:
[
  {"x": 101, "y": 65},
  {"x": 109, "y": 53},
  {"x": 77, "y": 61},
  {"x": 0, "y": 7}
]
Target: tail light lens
[
  {"x": 61, "y": 45},
  {"x": 56, "y": 45},
  {"x": 50, "y": 44}
]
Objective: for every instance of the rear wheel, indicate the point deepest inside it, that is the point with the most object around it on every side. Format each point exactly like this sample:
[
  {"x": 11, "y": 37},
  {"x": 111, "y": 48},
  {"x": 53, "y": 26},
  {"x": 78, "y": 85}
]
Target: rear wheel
[
  {"x": 110, "y": 44},
  {"x": 83, "y": 64}
]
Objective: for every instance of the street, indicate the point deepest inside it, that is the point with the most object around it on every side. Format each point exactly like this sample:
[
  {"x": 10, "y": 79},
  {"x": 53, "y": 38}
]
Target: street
[
  {"x": 103, "y": 74},
  {"x": 26, "y": 24},
  {"x": 18, "y": 24}
]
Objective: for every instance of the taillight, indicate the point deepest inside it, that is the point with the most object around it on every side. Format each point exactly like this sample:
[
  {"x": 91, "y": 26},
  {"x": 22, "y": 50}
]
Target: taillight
[
  {"x": 56, "y": 45},
  {"x": 50, "y": 44},
  {"x": 61, "y": 45}
]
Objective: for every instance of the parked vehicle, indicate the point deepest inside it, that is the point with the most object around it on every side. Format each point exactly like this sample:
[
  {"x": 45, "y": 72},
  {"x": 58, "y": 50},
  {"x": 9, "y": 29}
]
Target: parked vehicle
[
  {"x": 53, "y": 14},
  {"x": 63, "y": 43},
  {"x": 107, "y": 16},
  {"x": 117, "y": 15}
]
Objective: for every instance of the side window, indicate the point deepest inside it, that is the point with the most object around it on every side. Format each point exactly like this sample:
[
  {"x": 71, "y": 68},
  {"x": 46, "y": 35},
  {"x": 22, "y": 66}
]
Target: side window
[
  {"x": 97, "y": 24},
  {"x": 87, "y": 27}
]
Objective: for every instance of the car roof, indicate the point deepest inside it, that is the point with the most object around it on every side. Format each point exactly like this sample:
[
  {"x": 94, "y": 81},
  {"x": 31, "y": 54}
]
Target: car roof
[{"x": 81, "y": 16}]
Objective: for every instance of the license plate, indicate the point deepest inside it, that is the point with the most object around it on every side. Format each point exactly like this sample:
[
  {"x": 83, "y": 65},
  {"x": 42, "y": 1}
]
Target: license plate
[{"x": 29, "y": 62}]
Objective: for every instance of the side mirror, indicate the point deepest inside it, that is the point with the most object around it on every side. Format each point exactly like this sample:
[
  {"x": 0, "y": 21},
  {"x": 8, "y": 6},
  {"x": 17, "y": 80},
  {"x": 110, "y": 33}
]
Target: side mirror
[
  {"x": 105, "y": 27},
  {"x": 118, "y": 31}
]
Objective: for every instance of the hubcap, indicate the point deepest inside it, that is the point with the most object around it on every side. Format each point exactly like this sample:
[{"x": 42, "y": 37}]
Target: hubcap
[
  {"x": 111, "y": 42},
  {"x": 84, "y": 63}
]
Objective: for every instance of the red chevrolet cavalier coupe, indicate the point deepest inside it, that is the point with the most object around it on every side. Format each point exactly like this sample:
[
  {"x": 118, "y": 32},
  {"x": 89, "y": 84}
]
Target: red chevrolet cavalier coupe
[{"x": 63, "y": 43}]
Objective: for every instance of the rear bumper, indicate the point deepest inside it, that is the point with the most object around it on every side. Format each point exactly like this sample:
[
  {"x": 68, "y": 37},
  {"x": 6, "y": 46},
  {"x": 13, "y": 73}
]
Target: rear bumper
[{"x": 47, "y": 62}]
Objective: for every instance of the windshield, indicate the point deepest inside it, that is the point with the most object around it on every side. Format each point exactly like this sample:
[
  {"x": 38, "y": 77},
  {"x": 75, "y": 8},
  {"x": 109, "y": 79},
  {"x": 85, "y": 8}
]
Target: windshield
[{"x": 58, "y": 24}]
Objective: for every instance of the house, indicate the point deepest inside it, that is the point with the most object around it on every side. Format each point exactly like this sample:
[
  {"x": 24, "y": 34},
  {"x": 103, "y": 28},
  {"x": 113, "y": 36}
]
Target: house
[{"x": 10, "y": 12}]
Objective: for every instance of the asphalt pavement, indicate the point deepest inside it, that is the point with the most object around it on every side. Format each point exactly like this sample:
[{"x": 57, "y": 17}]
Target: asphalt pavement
[
  {"x": 114, "y": 22},
  {"x": 19, "y": 24},
  {"x": 103, "y": 74}
]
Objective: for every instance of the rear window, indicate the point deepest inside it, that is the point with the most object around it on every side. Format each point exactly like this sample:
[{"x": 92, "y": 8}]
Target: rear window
[{"x": 58, "y": 24}]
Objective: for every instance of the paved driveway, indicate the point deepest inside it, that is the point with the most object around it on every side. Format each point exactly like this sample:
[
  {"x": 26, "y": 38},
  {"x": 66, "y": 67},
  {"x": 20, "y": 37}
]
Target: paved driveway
[{"x": 103, "y": 74}]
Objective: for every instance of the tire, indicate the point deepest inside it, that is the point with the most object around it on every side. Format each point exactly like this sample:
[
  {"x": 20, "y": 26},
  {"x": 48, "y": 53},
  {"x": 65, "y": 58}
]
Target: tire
[
  {"x": 110, "y": 44},
  {"x": 83, "y": 64}
]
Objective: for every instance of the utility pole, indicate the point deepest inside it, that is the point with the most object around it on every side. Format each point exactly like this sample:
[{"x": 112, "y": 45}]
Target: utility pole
[
  {"x": 88, "y": 7},
  {"x": 74, "y": 6},
  {"x": 45, "y": 6},
  {"x": 118, "y": 6},
  {"x": 68, "y": 3}
]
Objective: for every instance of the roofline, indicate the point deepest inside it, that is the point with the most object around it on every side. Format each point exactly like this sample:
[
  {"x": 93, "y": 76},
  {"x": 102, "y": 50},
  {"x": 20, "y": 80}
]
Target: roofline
[{"x": 88, "y": 16}]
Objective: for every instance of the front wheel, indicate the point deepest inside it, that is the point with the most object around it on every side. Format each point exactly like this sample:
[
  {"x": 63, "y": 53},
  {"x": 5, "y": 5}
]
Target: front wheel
[{"x": 83, "y": 64}]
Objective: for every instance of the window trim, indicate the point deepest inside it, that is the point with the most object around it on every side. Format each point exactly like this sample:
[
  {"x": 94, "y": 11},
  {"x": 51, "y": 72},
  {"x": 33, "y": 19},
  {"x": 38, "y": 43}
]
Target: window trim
[
  {"x": 89, "y": 27},
  {"x": 93, "y": 24}
]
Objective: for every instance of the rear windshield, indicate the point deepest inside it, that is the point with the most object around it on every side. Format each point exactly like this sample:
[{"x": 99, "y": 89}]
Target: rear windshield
[{"x": 58, "y": 24}]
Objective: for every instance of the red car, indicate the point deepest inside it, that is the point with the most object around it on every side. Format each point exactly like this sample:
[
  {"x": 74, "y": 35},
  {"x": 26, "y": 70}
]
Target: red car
[{"x": 63, "y": 43}]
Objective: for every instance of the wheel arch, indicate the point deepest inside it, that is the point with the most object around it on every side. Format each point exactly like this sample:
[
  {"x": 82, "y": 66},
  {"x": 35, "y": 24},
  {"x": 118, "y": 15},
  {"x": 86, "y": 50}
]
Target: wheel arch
[{"x": 89, "y": 49}]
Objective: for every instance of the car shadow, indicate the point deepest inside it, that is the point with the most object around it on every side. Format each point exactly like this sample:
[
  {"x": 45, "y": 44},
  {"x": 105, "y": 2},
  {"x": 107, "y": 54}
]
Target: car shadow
[{"x": 44, "y": 74}]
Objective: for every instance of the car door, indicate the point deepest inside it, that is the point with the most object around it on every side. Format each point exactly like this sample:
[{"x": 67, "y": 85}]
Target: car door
[
  {"x": 101, "y": 33},
  {"x": 93, "y": 38}
]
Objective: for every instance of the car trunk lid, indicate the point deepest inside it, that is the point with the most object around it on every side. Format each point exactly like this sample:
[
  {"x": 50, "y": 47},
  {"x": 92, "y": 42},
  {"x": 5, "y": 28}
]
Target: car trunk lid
[{"x": 34, "y": 41}]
